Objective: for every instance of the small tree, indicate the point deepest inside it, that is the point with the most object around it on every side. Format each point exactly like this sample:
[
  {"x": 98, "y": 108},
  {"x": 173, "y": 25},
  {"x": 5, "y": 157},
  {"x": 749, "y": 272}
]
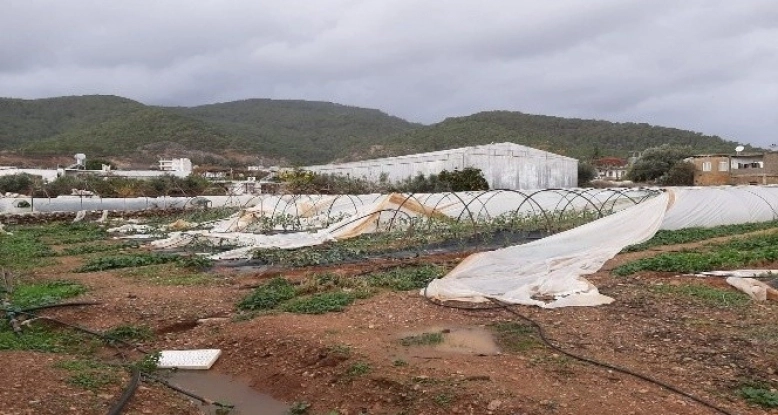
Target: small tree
[
  {"x": 655, "y": 162},
  {"x": 586, "y": 173},
  {"x": 681, "y": 174}
]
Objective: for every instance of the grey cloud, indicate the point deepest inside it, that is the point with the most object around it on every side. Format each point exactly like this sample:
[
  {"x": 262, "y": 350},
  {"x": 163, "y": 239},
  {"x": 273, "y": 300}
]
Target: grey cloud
[{"x": 706, "y": 65}]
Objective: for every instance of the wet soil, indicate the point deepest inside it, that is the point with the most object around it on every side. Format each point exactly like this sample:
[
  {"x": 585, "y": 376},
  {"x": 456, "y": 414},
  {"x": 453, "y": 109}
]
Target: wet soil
[{"x": 353, "y": 362}]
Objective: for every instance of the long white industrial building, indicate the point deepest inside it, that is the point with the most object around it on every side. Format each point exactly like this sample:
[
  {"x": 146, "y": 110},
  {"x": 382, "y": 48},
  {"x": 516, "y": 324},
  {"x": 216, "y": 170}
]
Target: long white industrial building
[{"x": 504, "y": 165}]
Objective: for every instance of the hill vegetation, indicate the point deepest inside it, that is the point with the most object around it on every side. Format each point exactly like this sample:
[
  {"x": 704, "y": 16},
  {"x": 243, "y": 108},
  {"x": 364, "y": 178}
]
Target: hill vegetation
[{"x": 291, "y": 132}]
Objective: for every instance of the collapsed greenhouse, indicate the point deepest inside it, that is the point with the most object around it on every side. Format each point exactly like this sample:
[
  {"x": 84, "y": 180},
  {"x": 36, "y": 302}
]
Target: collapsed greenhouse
[{"x": 546, "y": 272}]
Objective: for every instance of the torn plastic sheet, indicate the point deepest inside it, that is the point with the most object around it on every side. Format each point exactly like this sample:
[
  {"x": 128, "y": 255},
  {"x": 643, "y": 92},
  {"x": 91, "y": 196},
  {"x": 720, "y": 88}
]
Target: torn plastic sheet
[
  {"x": 345, "y": 216},
  {"x": 549, "y": 273}
]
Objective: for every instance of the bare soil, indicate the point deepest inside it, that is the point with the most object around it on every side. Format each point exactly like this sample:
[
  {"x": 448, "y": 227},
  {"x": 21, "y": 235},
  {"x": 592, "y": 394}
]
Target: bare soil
[{"x": 705, "y": 350}]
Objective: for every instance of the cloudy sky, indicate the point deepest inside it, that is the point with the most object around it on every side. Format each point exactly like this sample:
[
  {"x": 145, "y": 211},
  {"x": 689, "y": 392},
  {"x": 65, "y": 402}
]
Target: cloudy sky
[{"x": 705, "y": 65}]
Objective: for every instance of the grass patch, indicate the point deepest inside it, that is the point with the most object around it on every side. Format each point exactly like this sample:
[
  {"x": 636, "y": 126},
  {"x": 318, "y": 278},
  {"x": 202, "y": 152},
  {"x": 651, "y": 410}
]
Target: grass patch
[
  {"x": 738, "y": 253},
  {"x": 515, "y": 337},
  {"x": 319, "y": 303},
  {"x": 424, "y": 339},
  {"x": 45, "y": 339},
  {"x": 22, "y": 251},
  {"x": 405, "y": 278},
  {"x": 60, "y": 233},
  {"x": 168, "y": 275},
  {"x": 130, "y": 333},
  {"x": 358, "y": 369},
  {"x": 89, "y": 374},
  {"x": 142, "y": 260},
  {"x": 269, "y": 295},
  {"x": 98, "y": 247},
  {"x": 759, "y": 394},
  {"x": 45, "y": 293},
  {"x": 683, "y": 236},
  {"x": 705, "y": 294}
]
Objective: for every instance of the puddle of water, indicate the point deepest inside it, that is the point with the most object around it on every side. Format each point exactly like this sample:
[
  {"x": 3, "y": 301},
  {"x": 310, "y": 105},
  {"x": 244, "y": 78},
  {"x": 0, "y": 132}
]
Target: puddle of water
[
  {"x": 225, "y": 389},
  {"x": 468, "y": 340},
  {"x": 476, "y": 340}
]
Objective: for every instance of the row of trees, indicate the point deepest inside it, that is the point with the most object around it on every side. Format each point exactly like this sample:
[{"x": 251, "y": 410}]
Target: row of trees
[{"x": 107, "y": 187}]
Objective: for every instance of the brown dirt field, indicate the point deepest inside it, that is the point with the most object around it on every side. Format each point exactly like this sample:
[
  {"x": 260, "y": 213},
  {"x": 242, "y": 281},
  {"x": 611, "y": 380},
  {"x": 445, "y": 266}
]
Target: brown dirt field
[{"x": 704, "y": 350}]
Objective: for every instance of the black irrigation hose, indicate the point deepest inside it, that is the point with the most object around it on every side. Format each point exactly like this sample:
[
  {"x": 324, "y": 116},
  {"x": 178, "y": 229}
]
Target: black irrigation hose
[
  {"x": 129, "y": 391},
  {"x": 547, "y": 342},
  {"x": 74, "y": 304},
  {"x": 542, "y": 335}
]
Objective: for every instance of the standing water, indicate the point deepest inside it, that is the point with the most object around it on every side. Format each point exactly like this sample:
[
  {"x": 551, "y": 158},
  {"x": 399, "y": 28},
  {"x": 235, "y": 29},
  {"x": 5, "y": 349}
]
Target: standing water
[{"x": 225, "y": 389}]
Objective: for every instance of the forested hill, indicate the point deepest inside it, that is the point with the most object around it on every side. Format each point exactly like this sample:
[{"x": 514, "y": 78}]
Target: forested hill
[
  {"x": 567, "y": 136},
  {"x": 298, "y": 132}
]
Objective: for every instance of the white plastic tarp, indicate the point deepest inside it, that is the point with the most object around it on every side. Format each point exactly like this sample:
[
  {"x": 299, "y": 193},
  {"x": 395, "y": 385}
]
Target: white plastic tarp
[{"x": 549, "y": 272}]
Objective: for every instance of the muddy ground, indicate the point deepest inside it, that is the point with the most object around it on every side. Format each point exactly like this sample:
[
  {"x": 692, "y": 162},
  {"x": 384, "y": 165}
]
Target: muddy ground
[{"x": 353, "y": 362}]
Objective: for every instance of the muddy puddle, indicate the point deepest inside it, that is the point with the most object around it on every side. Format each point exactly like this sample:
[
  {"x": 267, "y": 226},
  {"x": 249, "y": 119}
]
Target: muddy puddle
[
  {"x": 226, "y": 389},
  {"x": 477, "y": 340}
]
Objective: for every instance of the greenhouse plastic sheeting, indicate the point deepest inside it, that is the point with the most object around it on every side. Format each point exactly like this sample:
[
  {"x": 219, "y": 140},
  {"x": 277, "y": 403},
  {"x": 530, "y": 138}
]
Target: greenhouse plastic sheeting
[
  {"x": 340, "y": 217},
  {"x": 549, "y": 272}
]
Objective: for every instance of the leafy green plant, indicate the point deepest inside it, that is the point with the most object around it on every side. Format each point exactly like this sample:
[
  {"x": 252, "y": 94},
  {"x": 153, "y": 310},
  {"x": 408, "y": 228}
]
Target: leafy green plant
[
  {"x": 129, "y": 332},
  {"x": 268, "y": 295},
  {"x": 405, "y": 278},
  {"x": 737, "y": 253},
  {"x": 143, "y": 259},
  {"x": 760, "y": 395},
  {"x": 319, "y": 303},
  {"x": 358, "y": 369},
  {"x": 149, "y": 363},
  {"x": 682, "y": 236},
  {"x": 98, "y": 247},
  {"x": 22, "y": 251},
  {"x": 424, "y": 339}
]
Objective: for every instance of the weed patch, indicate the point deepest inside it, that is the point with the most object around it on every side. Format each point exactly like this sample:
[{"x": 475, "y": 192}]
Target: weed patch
[
  {"x": 738, "y": 253},
  {"x": 142, "y": 260},
  {"x": 760, "y": 395},
  {"x": 683, "y": 236},
  {"x": 169, "y": 274},
  {"x": 98, "y": 247},
  {"x": 406, "y": 278},
  {"x": 130, "y": 333},
  {"x": 22, "y": 251},
  {"x": 319, "y": 303},
  {"x": 52, "y": 292},
  {"x": 515, "y": 337},
  {"x": 89, "y": 374},
  {"x": 705, "y": 294},
  {"x": 424, "y": 339},
  {"x": 358, "y": 369},
  {"x": 269, "y": 295}
]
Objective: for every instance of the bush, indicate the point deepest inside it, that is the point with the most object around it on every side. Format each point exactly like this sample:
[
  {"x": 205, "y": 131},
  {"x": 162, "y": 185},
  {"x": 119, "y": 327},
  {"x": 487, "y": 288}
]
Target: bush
[{"x": 17, "y": 183}]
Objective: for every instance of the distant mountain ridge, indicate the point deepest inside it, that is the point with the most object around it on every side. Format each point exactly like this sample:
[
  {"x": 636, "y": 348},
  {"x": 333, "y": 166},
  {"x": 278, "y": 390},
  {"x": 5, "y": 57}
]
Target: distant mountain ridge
[{"x": 296, "y": 132}]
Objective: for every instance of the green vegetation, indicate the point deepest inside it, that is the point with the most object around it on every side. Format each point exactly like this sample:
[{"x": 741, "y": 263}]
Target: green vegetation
[
  {"x": 299, "y": 408},
  {"x": 424, "y": 339},
  {"x": 23, "y": 251},
  {"x": 302, "y": 132},
  {"x": 269, "y": 295},
  {"x": 44, "y": 293},
  {"x": 743, "y": 252},
  {"x": 90, "y": 374},
  {"x": 130, "y": 333},
  {"x": 170, "y": 275},
  {"x": 515, "y": 337},
  {"x": 687, "y": 235},
  {"x": 98, "y": 247},
  {"x": 323, "y": 293},
  {"x": 319, "y": 303},
  {"x": 144, "y": 259},
  {"x": 358, "y": 369},
  {"x": 127, "y": 187},
  {"x": 704, "y": 294},
  {"x": 760, "y": 395},
  {"x": 655, "y": 163},
  {"x": 59, "y": 233}
]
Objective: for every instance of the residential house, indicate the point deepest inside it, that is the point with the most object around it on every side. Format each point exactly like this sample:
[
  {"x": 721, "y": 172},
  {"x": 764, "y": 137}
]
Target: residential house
[
  {"x": 723, "y": 169},
  {"x": 611, "y": 168}
]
